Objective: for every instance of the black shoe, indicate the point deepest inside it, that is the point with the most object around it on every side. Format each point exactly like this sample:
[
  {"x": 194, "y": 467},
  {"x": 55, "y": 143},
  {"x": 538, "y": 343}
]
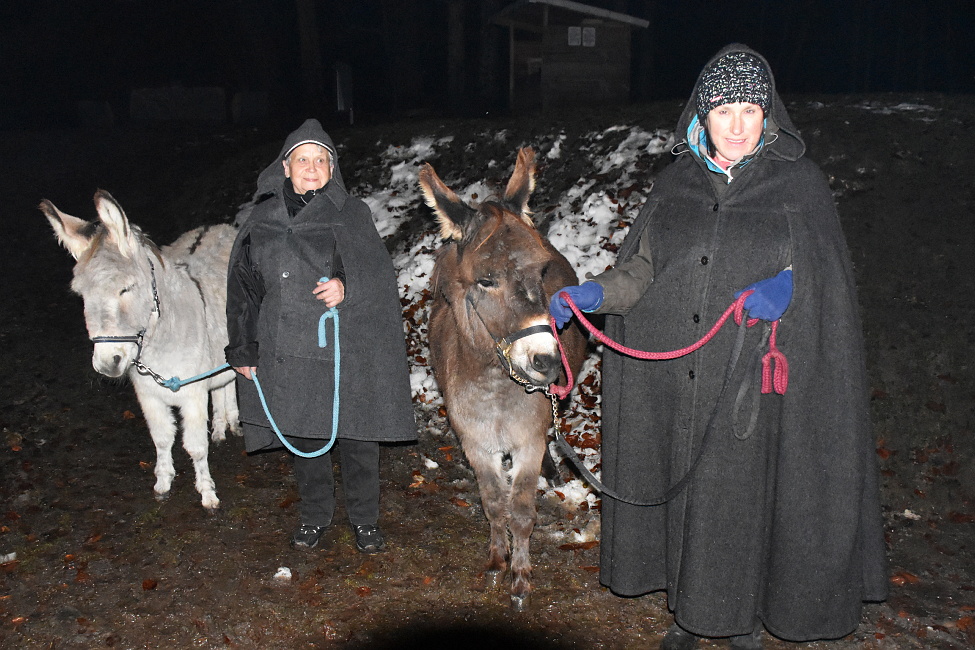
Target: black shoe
[
  {"x": 368, "y": 538},
  {"x": 677, "y": 638},
  {"x": 307, "y": 536}
]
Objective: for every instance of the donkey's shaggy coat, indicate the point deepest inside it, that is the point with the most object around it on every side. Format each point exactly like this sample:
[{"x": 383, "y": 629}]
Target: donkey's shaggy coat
[
  {"x": 495, "y": 279},
  {"x": 176, "y": 296}
]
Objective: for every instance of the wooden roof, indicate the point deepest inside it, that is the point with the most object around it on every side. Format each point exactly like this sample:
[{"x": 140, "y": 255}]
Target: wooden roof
[{"x": 529, "y": 14}]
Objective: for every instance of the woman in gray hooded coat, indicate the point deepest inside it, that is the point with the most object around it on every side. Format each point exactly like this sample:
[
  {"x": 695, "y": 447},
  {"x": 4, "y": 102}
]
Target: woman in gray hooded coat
[
  {"x": 306, "y": 246},
  {"x": 778, "y": 524}
]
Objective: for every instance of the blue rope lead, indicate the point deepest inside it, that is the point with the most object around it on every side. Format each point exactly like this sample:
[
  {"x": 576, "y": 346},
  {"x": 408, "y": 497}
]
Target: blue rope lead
[
  {"x": 322, "y": 342},
  {"x": 175, "y": 383}
]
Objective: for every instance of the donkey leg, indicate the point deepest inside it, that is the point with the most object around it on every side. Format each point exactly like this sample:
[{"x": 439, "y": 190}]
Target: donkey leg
[
  {"x": 225, "y": 416},
  {"x": 196, "y": 444},
  {"x": 230, "y": 408},
  {"x": 162, "y": 428},
  {"x": 218, "y": 425},
  {"x": 493, "y": 486},
  {"x": 526, "y": 463}
]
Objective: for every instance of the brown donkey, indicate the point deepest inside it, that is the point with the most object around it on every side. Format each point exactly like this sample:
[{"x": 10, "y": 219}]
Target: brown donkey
[{"x": 491, "y": 286}]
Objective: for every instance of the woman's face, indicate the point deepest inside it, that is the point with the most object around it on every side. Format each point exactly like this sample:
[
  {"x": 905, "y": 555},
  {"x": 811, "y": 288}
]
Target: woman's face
[
  {"x": 735, "y": 129},
  {"x": 308, "y": 167}
]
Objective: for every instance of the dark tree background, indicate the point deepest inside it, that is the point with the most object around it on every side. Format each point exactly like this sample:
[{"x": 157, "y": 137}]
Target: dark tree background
[{"x": 444, "y": 56}]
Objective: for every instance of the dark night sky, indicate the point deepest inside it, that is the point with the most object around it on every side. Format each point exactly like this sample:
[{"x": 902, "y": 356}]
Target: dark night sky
[{"x": 57, "y": 52}]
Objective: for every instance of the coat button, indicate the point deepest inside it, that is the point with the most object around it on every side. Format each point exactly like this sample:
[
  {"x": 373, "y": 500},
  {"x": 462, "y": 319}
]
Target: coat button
[
  {"x": 289, "y": 231},
  {"x": 286, "y": 274},
  {"x": 690, "y": 374},
  {"x": 714, "y": 208},
  {"x": 696, "y": 318},
  {"x": 705, "y": 260}
]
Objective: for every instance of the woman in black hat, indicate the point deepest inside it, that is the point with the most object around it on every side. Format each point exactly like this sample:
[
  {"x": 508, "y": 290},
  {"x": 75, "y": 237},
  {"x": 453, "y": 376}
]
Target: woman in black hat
[
  {"x": 778, "y": 522},
  {"x": 306, "y": 246}
]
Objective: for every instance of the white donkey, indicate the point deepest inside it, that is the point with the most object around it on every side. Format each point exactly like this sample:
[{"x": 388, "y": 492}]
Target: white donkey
[{"x": 161, "y": 309}]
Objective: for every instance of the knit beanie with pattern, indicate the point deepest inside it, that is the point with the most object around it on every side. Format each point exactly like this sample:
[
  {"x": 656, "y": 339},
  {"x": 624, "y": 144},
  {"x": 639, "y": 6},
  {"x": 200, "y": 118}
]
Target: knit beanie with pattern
[{"x": 735, "y": 77}]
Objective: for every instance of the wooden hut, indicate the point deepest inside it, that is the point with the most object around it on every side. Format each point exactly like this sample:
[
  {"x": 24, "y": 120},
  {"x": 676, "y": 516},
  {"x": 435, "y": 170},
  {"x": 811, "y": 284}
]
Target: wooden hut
[{"x": 565, "y": 53}]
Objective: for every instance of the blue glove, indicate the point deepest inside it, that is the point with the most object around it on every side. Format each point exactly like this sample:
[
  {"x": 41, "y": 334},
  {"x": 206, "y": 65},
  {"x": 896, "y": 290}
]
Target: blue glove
[
  {"x": 771, "y": 298},
  {"x": 587, "y": 296}
]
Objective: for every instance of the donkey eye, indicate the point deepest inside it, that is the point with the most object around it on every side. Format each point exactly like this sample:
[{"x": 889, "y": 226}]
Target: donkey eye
[
  {"x": 126, "y": 290},
  {"x": 487, "y": 282}
]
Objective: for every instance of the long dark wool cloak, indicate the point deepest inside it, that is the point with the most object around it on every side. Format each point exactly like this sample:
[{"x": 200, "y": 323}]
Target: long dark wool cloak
[
  {"x": 273, "y": 315},
  {"x": 783, "y": 526}
]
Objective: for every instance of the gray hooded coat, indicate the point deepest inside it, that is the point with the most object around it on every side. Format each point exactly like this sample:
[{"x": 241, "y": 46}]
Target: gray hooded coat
[
  {"x": 780, "y": 522},
  {"x": 273, "y": 317}
]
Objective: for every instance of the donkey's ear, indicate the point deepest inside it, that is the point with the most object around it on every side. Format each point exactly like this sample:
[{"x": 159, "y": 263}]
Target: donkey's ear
[
  {"x": 113, "y": 217},
  {"x": 453, "y": 215},
  {"x": 522, "y": 182},
  {"x": 73, "y": 233}
]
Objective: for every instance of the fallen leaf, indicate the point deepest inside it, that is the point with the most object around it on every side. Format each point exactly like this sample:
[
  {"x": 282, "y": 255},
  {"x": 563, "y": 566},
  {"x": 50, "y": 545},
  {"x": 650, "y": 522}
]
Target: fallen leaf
[
  {"x": 427, "y": 580},
  {"x": 961, "y": 518},
  {"x": 144, "y": 465},
  {"x": 902, "y": 578},
  {"x": 966, "y": 623},
  {"x": 128, "y": 415},
  {"x": 368, "y": 568},
  {"x": 363, "y": 591},
  {"x": 578, "y": 546},
  {"x": 457, "y": 501},
  {"x": 149, "y": 584}
]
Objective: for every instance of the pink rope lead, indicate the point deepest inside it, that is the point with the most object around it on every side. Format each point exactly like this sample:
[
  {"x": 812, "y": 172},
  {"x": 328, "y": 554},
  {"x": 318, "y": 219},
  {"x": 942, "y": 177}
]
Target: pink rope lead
[{"x": 779, "y": 378}]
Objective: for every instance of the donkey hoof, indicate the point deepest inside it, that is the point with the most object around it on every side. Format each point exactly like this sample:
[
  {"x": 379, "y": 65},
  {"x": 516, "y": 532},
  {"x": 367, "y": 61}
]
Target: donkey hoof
[
  {"x": 161, "y": 497},
  {"x": 520, "y": 603}
]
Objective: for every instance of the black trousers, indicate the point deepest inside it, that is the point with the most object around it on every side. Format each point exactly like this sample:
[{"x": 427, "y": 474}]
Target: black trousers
[{"x": 359, "y": 464}]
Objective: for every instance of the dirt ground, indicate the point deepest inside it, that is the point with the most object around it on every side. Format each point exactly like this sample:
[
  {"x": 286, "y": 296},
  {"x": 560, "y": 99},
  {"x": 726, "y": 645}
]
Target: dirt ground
[{"x": 88, "y": 558}]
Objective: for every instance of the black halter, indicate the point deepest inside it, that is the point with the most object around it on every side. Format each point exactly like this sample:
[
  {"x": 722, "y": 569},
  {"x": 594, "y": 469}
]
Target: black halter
[
  {"x": 502, "y": 345},
  {"x": 141, "y": 334}
]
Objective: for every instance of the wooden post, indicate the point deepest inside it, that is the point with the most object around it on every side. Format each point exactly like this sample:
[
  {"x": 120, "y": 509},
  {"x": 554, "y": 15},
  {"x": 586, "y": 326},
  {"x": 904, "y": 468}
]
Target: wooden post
[
  {"x": 455, "y": 54},
  {"x": 313, "y": 89}
]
